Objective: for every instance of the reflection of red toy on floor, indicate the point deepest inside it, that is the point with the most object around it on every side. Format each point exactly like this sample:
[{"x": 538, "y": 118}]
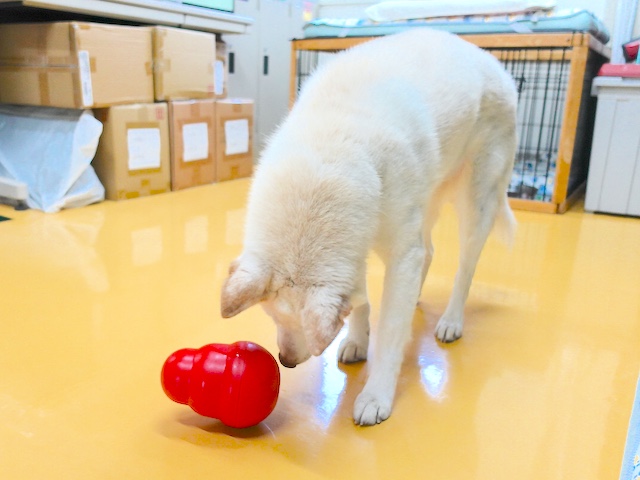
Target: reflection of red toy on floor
[{"x": 237, "y": 384}]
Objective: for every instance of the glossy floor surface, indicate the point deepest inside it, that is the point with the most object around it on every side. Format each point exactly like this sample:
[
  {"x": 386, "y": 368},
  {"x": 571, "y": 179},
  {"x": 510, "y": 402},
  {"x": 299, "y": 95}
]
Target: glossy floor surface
[{"x": 93, "y": 300}]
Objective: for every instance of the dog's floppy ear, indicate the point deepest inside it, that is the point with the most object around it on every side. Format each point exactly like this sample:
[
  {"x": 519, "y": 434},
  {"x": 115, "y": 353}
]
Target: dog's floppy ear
[
  {"x": 245, "y": 286},
  {"x": 322, "y": 318}
]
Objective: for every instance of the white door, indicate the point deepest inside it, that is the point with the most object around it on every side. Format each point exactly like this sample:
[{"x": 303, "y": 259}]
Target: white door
[{"x": 273, "y": 86}]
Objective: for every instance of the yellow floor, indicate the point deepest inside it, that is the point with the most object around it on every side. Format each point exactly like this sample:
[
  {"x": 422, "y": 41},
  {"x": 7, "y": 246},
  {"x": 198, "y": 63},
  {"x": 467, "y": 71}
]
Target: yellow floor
[{"x": 93, "y": 300}]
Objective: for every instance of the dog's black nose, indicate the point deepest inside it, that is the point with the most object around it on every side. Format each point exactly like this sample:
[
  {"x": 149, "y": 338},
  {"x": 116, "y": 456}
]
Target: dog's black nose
[{"x": 285, "y": 363}]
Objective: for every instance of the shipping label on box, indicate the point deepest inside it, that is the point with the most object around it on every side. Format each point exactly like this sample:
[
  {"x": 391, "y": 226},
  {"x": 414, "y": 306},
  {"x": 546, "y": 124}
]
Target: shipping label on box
[
  {"x": 195, "y": 141},
  {"x": 183, "y": 63},
  {"x": 75, "y": 64},
  {"x": 192, "y": 143},
  {"x": 133, "y": 157},
  {"x": 234, "y": 131},
  {"x": 143, "y": 148}
]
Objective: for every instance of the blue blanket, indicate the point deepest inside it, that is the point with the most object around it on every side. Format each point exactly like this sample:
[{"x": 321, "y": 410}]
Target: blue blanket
[{"x": 567, "y": 21}]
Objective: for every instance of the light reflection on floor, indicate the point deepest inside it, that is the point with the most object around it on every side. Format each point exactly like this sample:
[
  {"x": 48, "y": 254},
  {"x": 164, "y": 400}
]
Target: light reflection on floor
[{"x": 332, "y": 383}]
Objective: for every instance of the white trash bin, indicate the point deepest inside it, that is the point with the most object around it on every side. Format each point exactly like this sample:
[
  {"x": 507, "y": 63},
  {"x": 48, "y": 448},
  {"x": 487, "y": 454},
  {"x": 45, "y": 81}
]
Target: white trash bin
[{"x": 613, "y": 185}]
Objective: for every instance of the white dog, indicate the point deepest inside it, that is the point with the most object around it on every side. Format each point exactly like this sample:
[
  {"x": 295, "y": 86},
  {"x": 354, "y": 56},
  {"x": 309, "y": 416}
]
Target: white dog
[{"x": 379, "y": 138}]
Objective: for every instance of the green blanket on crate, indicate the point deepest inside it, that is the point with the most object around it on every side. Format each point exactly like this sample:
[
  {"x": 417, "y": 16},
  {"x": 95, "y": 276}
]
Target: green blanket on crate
[{"x": 562, "y": 21}]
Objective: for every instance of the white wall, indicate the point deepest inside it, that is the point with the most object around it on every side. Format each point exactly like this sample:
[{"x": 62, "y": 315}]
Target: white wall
[
  {"x": 599, "y": 7},
  {"x": 604, "y": 9}
]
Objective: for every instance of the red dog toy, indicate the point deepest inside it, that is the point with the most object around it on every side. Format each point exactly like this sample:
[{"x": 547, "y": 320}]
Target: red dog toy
[{"x": 237, "y": 384}]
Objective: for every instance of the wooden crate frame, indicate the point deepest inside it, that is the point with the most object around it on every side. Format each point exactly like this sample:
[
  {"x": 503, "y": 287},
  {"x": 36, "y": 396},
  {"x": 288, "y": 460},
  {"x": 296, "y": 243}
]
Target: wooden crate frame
[{"x": 584, "y": 52}]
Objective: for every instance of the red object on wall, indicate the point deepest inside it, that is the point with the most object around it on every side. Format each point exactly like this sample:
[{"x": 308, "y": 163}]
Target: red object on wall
[
  {"x": 237, "y": 384},
  {"x": 630, "y": 49}
]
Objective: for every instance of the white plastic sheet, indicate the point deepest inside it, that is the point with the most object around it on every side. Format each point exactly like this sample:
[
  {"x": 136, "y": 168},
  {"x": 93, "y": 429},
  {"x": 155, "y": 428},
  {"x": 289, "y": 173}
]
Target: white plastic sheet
[{"x": 51, "y": 150}]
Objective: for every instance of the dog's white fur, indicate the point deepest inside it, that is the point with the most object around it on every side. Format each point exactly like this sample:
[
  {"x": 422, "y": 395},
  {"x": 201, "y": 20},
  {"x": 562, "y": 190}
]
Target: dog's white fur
[{"x": 379, "y": 138}]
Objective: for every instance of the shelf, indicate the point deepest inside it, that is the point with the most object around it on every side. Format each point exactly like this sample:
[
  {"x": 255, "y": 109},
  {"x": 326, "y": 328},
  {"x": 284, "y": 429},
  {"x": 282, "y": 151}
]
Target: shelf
[{"x": 157, "y": 12}]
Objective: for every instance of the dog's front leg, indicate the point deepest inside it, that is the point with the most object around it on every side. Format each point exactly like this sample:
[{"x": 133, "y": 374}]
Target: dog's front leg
[{"x": 402, "y": 284}]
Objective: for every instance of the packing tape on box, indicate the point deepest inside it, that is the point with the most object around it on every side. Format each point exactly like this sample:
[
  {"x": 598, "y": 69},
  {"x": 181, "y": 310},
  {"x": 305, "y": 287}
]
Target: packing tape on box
[
  {"x": 43, "y": 87},
  {"x": 159, "y": 113},
  {"x": 196, "y": 175},
  {"x": 180, "y": 94},
  {"x": 39, "y": 61},
  {"x": 158, "y": 86},
  {"x": 158, "y": 37},
  {"x": 43, "y": 80},
  {"x": 40, "y": 45},
  {"x": 40, "y": 39},
  {"x": 142, "y": 122},
  {"x": 159, "y": 64},
  {"x": 126, "y": 195},
  {"x": 156, "y": 191},
  {"x": 31, "y": 46},
  {"x": 162, "y": 66}
]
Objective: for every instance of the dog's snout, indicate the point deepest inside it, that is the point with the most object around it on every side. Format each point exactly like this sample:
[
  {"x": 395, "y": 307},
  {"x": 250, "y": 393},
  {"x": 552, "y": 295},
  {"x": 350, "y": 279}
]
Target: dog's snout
[{"x": 285, "y": 362}]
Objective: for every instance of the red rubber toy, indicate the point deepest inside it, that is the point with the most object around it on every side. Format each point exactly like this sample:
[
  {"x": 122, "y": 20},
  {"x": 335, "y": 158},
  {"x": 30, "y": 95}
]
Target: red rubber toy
[{"x": 237, "y": 384}]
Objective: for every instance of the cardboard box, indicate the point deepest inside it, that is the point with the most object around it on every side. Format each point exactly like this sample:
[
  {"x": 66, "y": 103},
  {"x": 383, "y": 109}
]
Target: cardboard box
[
  {"x": 234, "y": 133},
  {"x": 133, "y": 154},
  {"x": 221, "y": 71},
  {"x": 183, "y": 63},
  {"x": 75, "y": 64},
  {"x": 192, "y": 126}
]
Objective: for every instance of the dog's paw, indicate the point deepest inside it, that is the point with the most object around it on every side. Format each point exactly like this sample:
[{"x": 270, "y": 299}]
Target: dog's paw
[
  {"x": 448, "y": 331},
  {"x": 352, "y": 351},
  {"x": 371, "y": 409}
]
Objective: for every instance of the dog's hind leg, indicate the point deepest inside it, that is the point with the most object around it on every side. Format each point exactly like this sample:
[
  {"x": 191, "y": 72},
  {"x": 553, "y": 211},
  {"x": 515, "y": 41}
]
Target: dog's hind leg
[
  {"x": 428, "y": 257},
  {"x": 355, "y": 345},
  {"x": 432, "y": 212},
  {"x": 480, "y": 198}
]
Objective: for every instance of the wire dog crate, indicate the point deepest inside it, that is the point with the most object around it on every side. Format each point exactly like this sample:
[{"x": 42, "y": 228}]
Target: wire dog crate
[{"x": 553, "y": 73}]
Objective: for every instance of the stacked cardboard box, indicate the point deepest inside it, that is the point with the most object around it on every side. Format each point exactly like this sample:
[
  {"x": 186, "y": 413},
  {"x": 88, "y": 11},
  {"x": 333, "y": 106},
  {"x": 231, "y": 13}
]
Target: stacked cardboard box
[
  {"x": 159, "y": 91},
  {"x": 190, "y": 72},
  {"x": 75, "y": 64},
  {"x": 183, "y": 64},
  {"x": 133, "y": 153},
  {"x": 234, "y": 149},
  {"x": 192, "y": 129}
]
